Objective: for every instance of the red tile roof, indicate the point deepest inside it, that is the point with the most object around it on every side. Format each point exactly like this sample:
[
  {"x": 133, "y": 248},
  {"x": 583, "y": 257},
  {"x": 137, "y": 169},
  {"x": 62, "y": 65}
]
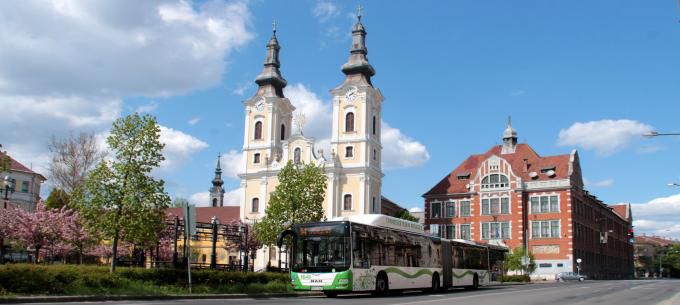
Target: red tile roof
[
  {"x": 655, "y": 240},
  {"x": 451, "y": 184},
  {"x": 205, "y": 214},
  {"x": 18, "y": 167},
  {"x": 623, "y": 210}
]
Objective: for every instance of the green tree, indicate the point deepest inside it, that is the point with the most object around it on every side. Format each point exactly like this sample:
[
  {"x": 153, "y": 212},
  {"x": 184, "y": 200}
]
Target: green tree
[
  {"x": 405, "y": 214},
  {"x": 297, "y": 199},
  {"x": 120, "y": 199},
  {"x": 514, "y": 261},
  {"x": 57, "y": 199},
  {"x": 180, "y": 202}
]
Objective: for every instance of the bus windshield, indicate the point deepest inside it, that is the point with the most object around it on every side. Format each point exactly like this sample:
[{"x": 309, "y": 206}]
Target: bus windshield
[{"x": 322, "y": 249}]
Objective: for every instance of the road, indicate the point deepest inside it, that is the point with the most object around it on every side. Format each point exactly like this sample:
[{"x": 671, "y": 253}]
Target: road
[{"x": 634, "y": 292}]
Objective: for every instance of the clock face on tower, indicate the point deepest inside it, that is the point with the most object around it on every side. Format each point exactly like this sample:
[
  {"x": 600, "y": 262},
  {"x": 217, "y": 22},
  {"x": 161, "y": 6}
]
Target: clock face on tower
[
  {"x": 351, "y": 93},
  {"x": 260, "y": 104}
]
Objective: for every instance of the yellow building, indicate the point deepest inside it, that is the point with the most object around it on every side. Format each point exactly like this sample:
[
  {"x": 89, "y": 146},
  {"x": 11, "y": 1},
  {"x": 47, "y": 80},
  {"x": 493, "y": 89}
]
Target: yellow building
[{"x": 353, "y": 164}]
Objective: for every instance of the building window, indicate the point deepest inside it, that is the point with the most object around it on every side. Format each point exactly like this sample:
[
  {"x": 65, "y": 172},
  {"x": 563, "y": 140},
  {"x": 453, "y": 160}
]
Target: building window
[
  {"x": 495, "y": 181},
  {"x": 255, "y": 205},
  {"x": 545, "y": 204},
  {"x": 465, "y": 231},
  {"x": 349, "y": 122},
  {"x": 214, "y": 203},
  {"x": 434, "y": 229},
  {"x": 435, "y": 209},
  {"x": 373, "y": 125},
  {"x": 258, "y": 131},
  {"x": 283, "y": 132},
  {"x": 375, "y": 154},
  {"x": 374, "y": 204},
  {"x": 256, "y": 158},
  {"x": 450, "y": 231},
  {"x": 545, "y": 265},
  {"x": 451, "y": 209},
  {"x": 347, "y": 202},
  {"x": 495, "y": 206},
  {"x": 349, "y": 152},
  {"x": 24, "y": 187},
  {"x": 296, "y": 155},
  {"x": 545, "y": 229},
  {"x": 495, "y": 230},
  {"x": 465, "y": 208}
]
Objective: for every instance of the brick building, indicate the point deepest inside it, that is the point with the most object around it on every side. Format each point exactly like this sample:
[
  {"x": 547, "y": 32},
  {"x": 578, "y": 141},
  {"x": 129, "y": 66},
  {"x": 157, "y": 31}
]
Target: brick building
[{"x": 510, "y": 195}]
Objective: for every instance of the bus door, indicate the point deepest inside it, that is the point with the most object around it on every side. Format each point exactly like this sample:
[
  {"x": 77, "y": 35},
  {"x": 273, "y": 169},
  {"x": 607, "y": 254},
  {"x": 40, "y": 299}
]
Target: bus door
[{"x": 447, "y": 258}]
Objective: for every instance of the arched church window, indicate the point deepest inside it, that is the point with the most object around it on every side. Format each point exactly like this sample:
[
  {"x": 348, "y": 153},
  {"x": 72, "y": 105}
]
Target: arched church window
[
  {"x": 255, "y": 205},
  {"x": 258, "y": 131},
  {"x": 214, "y": 203},
  {"x": 349, "y": 122},
  {"x": 347, "y": 202},
  {"x": 283, "y": 132},
  {"x": 373, "y": 125},
  {"x": 296, "y": 155},
  {"x": 494, "y": 181}
]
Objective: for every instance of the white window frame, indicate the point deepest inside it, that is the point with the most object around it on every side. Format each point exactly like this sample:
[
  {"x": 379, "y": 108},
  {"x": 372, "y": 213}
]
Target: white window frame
[
  {"x": 432, "y": 210},
  {"x": 500, "y": 230},
  {"x": 544, "y": 195},
  {"x": 469, "y": 227},
  {"x": 446, "y": 209},
  {"x": 537, "y": 224}
]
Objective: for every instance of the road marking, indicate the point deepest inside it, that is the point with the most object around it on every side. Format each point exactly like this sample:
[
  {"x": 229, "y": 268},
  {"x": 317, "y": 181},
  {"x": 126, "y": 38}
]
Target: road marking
[
  {"x": 436, "y": 295},
  {"x": 674, "y": 300}
]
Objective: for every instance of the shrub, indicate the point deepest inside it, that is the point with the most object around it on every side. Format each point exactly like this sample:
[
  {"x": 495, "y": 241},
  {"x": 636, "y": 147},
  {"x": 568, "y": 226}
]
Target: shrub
[
  {"x": 515, "y": 278},
  {"x": 79, "y": 279}
]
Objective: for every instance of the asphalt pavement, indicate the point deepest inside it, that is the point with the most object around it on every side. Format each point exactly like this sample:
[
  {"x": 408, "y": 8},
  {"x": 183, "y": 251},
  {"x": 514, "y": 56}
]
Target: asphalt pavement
[{"x": 632, "y": 292}]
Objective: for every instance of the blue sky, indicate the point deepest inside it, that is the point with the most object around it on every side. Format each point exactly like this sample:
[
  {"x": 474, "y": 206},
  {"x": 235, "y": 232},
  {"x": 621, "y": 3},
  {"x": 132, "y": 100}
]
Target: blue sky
[{"x": 590, "y": 75}]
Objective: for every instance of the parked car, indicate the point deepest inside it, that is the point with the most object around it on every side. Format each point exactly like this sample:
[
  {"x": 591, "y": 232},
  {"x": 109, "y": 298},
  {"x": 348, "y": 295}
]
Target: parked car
[{"x": 570, "y": 276}]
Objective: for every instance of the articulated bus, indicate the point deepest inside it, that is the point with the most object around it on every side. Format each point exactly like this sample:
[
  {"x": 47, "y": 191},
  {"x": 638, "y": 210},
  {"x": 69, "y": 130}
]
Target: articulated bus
[{"x": 377, "y": 253}]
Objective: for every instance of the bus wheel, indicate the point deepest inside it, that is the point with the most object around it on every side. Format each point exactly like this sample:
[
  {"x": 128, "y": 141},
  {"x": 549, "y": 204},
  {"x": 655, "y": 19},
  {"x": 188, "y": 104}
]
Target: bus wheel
[
  {"x": 435, "y": 282},
  {"x": 381, "y": 284},
  {"x": 475, "y": 283},
  {"x": 330, "y": 294}
]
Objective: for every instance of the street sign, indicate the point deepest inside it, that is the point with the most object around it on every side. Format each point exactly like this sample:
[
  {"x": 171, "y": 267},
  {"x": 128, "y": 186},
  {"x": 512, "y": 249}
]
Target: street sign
[{"x": 190, "y": 219}]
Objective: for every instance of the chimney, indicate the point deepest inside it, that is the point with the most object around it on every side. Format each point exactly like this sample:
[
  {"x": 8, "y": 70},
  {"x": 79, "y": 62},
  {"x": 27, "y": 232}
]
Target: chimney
[{"x": 526, "y": 165}]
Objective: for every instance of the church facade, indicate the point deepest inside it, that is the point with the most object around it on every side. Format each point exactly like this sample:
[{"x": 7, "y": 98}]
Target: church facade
[{"x": 353, "y": 166}]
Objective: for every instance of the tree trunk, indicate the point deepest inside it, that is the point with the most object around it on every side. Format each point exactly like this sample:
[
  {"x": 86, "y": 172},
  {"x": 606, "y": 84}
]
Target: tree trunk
[
  {"x": 2, "y": 250},
  {"x": 80, "y": 255},
  {"x": 114, "y": 254},
  {"x": 37, "y": 254}
]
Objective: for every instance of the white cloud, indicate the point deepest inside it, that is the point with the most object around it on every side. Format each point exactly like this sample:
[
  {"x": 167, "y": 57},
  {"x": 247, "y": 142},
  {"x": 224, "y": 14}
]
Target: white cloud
[
  {"x": 401, "y": 151},
  {"x": 602, "y": 183},
  {"x": 148, "y": 108},
  {"x": 66, "y": 66},
  {"x": 415, "y": 210},
  {"x": 240, "y": 90},
  {"x": 325, "y": 10},
  {"x": 232, "y": 164},
  {"x": 202, "y": 199},
  {"x": 318, "y": 114},
  {"x": 178, "y": 148},
  {"x": 659, "y": 216},
  {"x": 117, "y": 48},
  {"x": 605, "y": 137},
  {"x": 194, "y": 121}
]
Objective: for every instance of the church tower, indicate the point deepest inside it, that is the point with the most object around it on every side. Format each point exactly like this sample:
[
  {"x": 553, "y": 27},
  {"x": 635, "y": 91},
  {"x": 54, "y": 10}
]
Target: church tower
[
  {"x": 355, "y": 183},
  {"x": 268, "y": 118},
  {"x": 217, "y": 191}
]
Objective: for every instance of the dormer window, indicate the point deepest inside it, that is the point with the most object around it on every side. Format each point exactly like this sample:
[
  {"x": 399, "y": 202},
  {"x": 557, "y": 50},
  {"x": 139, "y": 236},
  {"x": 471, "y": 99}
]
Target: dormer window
[
  {"x": 546, "y": 169},
  {"x": 464, "y": 176},
  {"x": 495, "y": 181}
]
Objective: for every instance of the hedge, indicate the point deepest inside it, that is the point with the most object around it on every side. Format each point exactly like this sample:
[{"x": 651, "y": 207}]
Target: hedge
[
  {"x": 514, "y": 278},
  {"x": 87, "y": 280}
]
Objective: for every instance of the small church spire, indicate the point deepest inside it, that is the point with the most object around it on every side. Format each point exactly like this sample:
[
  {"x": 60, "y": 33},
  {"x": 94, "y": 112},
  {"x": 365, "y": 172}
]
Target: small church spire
[
  {"x": 270, "y": 81},
  {"x": 217, "y": 181},
  {"x": 217, "y": 191},
  {"x": 509, "y": 138},
  {"x": 357, "y": 68}
]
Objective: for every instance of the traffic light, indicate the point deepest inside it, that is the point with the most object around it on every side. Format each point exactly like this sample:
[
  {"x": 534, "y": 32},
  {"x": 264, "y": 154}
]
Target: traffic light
[{"x": 631, "y": 236}]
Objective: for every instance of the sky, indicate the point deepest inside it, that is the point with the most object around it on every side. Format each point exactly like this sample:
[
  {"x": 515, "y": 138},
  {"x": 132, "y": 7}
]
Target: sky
[{"x": 587, "y": 75}]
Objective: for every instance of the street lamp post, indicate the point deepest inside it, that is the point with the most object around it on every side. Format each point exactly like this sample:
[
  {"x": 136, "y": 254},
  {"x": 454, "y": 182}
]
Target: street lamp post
[{"x": 213, "y": 257}]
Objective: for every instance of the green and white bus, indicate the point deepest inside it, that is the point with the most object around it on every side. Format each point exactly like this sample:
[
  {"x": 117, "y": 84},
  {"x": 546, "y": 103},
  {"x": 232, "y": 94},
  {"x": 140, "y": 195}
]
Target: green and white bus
[{"x": 378, "y": 253}]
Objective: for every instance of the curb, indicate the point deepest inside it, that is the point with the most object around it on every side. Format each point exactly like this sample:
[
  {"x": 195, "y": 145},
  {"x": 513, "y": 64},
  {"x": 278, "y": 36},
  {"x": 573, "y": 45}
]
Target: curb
[{"x": 96, "y": 298}]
